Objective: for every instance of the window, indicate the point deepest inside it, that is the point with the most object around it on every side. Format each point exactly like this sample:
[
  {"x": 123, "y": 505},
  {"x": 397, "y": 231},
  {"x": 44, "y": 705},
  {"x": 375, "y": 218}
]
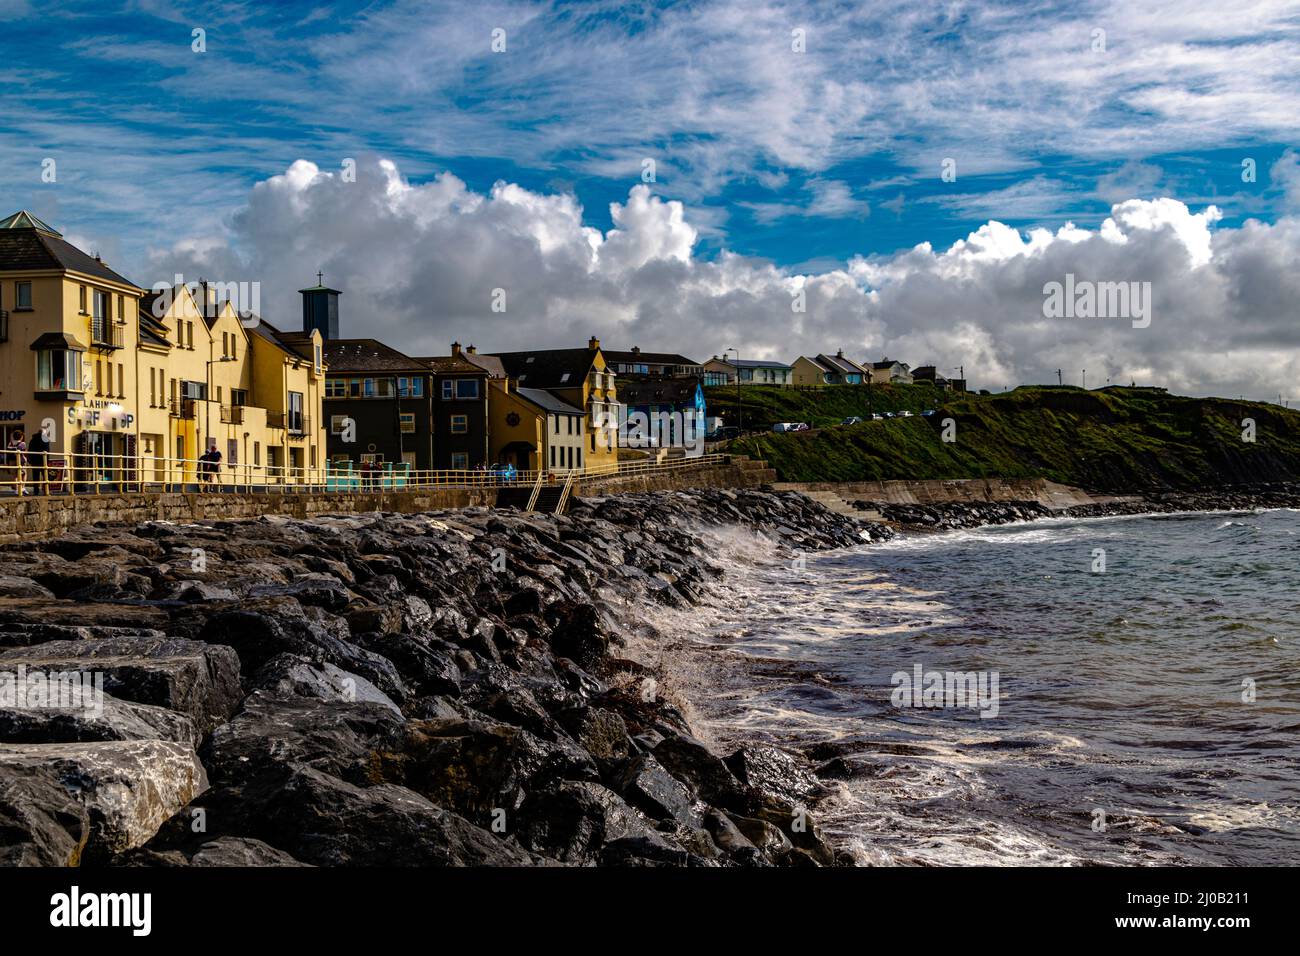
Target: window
[
  {"x": 194, "y": 390},
  {"x": 368, "y": 388},
  {"x": 58, "y": 370},
  {"x": 459, "y": 424},
  {"x": 336, "y": 388},
  {"x": 239, "y": 396},
  {"x": 410, "y": 387},
  {"x": 257, "y": 453},
  {"x": 460, "y": 389},
  {"x": 121, "y": 310},
  {"x": 81, "y": 307},
  {"x": 121, "y": 380},
  {"x": 337, "y": 423},
  {"x": 354, "y": 388},
  {"x": 22, "y": 295},
  {"x": 316, "y": 359},
  {"x": 552, "y": 456},
  {"x": 407, "y": 422},
  {"x": 296, "y": 423},
  {"x": 459, "y": 460}
]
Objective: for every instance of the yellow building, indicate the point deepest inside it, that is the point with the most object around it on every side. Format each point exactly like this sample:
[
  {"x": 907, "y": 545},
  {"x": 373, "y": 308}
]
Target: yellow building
[
  {"x": 531, "y": 428},
  {"x": 579, "y": 378},
  {"x": 129, "y": 387}
]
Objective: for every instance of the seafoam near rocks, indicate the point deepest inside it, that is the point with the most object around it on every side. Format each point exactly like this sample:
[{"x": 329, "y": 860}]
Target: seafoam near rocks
[{"x": 450, "y": 688}]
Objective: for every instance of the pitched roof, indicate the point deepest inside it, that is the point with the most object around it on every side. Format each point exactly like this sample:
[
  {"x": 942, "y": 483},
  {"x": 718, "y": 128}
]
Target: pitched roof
[
  {"x": 753, "y": 363},
  {"x": 489, "y": 363},
  {"x": 453, "y": 365},
  {"x": 32, "y": 247},
  {"x": 368, "y": 355},
  {"x": 547, "y": 400},
  {"x": 549, "y": 368},
  {"x": 888, "y": 363},
  {"x": 651, "y": 358},
  {"x": 839, "y": 363}
]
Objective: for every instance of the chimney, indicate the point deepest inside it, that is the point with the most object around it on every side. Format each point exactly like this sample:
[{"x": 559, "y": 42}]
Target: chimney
[
  {"x": 636, "y": 350},
  {"x": 455, "y": 350},
  {"x": 472, "y": 350},
  {"x": 593, "y": 343},
  {"x": 839, "y": 353},
  {"x": 320, "y": 310}
]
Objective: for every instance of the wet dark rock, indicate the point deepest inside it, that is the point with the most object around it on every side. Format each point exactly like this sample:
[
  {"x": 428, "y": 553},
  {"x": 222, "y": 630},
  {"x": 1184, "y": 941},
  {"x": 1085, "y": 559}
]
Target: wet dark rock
[
  {"x": 89, "y": 718},
  {"x": 404, "y": 701},
  {"x": 571, "y": 821},
  {"x": 289, "y": 675},
  {"x": 347, "y": 740},
  {"x": 775, "y": 771},
  {"x": 195, "y": 679},
  {"x": 647, "y": 785},
  {"x": 690, "y": 761}
]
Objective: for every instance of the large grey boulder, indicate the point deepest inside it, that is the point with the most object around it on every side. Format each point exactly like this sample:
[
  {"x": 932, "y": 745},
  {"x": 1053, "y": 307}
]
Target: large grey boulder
[
  {"x": 90, "y": 717},
  {"x": 105, "y": 797},
  {"x": 196, "y": 679}
]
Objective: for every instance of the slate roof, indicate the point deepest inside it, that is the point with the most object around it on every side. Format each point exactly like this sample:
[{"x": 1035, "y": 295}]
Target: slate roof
[
  {"x": 489, "y": 363},
  {"x": 753, "y": 363},
  {"x": 453, "y": 365},
  {"x": 548, "y": 368},
  {"x": 838, "y": 363},
  {"x": 368, "y": 355},
  {"x": 648, "y": 358},
  {"x": 546, "y": 400},
  {"x": 27, "y": 247}
]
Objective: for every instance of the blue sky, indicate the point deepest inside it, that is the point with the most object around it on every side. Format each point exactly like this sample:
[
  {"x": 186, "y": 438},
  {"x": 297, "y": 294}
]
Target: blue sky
[
  {"x": 848, "y": 162},
  {"x": 796, "y": 144}
]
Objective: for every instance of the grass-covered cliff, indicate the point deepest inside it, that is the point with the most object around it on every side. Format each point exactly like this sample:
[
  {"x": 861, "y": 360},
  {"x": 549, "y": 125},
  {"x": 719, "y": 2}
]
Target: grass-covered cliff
[{"x": 1108, "y": 439}]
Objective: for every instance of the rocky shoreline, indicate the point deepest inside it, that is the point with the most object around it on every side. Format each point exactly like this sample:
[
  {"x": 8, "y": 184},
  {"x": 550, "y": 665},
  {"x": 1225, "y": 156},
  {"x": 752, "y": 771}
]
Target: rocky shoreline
[
  {"x": 452, "y": 688},
  {"x": 957, "y": 515}
]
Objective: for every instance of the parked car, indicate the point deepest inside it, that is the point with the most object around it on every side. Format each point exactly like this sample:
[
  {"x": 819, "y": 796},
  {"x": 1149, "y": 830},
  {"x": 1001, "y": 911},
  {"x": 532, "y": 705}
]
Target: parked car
[
  {"x": 927, "y": 413},
  {"x": 876, "y": 417},
  {"x": 800, "y": 427},
  {"x": 852, "y": 420},
  {"x": 725, "y": 433},
  {"x": 783, "y": 427},
  {"x": 905, "y": 414},
  {"x": 889, "y": 415}
]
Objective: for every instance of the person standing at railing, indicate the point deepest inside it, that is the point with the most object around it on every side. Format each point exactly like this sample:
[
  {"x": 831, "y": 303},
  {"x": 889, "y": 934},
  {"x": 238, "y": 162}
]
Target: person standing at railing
[
  {"x": 17, "y": 455},
  {"x": 38, "y": 453}
]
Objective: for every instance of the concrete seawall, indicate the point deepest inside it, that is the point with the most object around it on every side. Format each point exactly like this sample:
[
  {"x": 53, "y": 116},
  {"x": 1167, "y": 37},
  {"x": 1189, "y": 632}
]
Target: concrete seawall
[
  {"x": 24, "y": 518},
  {"x": 1047, "y": 493}
]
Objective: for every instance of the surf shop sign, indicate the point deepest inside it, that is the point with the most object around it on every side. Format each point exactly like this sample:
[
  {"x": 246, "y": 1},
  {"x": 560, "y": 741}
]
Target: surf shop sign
[{"x": 100, "y": 413}]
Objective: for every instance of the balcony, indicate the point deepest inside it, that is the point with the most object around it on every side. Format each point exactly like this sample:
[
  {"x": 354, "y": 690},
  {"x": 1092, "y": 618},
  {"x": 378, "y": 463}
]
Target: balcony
[
  {"x": 182, "y": 408},
  {"x": 296, "y": 423},
  {"x": 105, "y": 335},
  {"x": 232, "y": 414}
]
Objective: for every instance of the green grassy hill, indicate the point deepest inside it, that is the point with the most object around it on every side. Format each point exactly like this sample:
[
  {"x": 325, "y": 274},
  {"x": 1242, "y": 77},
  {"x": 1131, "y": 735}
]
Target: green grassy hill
[{"x": 1114, "y": 439}]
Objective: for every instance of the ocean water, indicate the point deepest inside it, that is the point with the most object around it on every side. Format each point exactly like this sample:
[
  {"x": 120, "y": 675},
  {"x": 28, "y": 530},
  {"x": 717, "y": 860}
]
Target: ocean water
[{"x": 1147, "y": 709}]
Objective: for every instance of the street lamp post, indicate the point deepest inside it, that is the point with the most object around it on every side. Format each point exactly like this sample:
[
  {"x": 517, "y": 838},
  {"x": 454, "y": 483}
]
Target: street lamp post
[{"x": 740, "y": 402}]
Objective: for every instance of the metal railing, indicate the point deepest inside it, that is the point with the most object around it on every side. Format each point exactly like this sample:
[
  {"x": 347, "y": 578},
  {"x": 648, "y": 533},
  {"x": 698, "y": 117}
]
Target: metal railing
[
  {"x": 232, "y": 414},
  {"x": 65, "y": 473},
  {"x": 105, "y": 334},
  {"x": 566, "y": 493},
  {"x": 182, "y": 407}
]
